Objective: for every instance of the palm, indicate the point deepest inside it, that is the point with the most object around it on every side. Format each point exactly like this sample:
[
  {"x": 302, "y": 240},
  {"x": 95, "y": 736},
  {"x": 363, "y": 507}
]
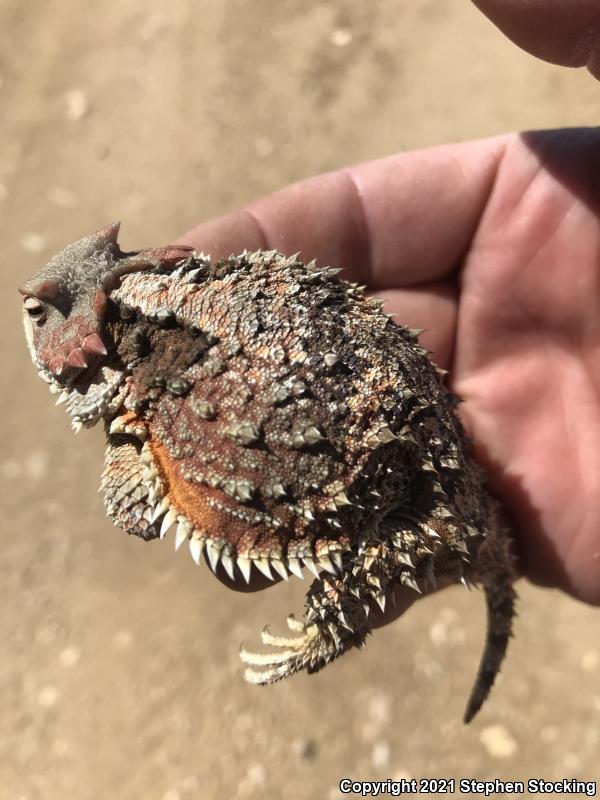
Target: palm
[
  {"x": 525, "y": 339},
  {"x": 493, "y": 248}
]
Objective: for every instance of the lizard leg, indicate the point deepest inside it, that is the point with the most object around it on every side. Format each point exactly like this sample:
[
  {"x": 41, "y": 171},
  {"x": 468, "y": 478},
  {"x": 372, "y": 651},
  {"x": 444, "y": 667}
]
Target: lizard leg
[
  {"x": 335, "y": 619},
  {"x": 131, "y": 487},
  {"x": 337, "y": 614}
]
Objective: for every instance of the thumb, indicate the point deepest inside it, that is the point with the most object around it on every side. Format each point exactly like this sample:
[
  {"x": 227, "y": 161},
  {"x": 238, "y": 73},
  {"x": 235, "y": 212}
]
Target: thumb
[{"x": 565, "y": 32}]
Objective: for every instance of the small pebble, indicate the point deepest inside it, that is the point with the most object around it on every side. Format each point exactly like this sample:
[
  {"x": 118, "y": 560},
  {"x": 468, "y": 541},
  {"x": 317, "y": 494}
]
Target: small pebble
[
  {"x": 379, "y": 708},
  {"x": 153, "y": 26},
  {"x": 590, "y": 661},
  {"x": 122, "y": 640},
  {"x": 305, "y": 749},
  {"x": 76, "y": 104},
  {"x": 498, "y": 742},
  {"x": 380, "y": 755},
  {"x": 549, "y": 734},
  {"x": 10, "y": 469},
  {"x": 46, "y": 635},
  {"x": 189, "y": 784},
  {"x": 61, "y": 197},
  {"x": 571, "y": 761},
  {"x": 438, "y": 633},
  {"x": 69, "y": 656},
  {"x": 243, "y": 722},
  {"x": 341, "y": 37},
  {"x": 263, "y": 147},
  {"x": 431, "y": 669},
  {"x": 60, "y": 748},
  {"x": 48, "y": 696},
  {"x": 256, "y": 774},
  {"x": 33, "y": 242},
  {"x": 36, "y": 465}
]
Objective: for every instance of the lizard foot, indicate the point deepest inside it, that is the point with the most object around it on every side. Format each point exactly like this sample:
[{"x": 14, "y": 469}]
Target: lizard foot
[{"x": 308, "y": 650}]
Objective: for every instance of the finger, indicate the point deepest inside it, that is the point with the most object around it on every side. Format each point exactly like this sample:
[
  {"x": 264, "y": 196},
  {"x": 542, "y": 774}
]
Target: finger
[
  {"x": 398, "y": 221},
  {"x": 566, "y": 33},
  {"x": 431, "y": 308}
]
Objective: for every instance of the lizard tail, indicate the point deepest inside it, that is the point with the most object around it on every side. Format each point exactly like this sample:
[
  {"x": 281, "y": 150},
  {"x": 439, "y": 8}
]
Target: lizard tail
[
  {"x": 495, "y": 567},
  {"x": 500, "y": 600}
]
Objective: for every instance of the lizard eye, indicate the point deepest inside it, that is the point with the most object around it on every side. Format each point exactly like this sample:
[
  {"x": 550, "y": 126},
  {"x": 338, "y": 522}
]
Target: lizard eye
[{"x": 36, "y": 309}]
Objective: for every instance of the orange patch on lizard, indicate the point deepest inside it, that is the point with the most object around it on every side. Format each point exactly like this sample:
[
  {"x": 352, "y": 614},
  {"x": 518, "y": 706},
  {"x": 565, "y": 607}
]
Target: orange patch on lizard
[{"x": 193, "y": 501}]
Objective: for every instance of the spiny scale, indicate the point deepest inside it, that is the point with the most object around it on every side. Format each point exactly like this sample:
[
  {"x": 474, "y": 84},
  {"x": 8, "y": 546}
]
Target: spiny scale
[{"x": 274, "y": 418}]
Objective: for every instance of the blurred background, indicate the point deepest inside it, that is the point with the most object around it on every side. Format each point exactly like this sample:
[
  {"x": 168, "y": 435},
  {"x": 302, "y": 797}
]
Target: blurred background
[{"x": 119, "y": 669}]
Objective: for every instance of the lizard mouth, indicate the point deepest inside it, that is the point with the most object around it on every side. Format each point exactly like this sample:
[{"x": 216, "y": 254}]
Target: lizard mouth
[
  {"x": 92, "y": 395},
  {"x": 71, "y": 377},
  {"x": 87, "y": 393},
  {"x": 79, "y": 378},
  {"x": 70, "y": 355}
]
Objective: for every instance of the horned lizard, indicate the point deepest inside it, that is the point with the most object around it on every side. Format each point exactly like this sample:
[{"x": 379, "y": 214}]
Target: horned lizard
[{"x": 277, "y": 419}]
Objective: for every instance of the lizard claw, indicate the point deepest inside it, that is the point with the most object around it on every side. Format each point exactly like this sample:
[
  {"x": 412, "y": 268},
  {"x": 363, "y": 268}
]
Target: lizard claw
[{"x": 289, "y": 655}]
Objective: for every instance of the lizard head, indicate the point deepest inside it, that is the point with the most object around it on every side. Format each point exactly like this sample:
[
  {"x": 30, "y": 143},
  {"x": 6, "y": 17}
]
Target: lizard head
[{"x": 65, "y": 309}]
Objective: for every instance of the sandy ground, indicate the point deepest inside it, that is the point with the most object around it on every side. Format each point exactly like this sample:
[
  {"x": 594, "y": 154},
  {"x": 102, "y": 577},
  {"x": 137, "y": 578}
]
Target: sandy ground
[{"x": 119, "y": 673}]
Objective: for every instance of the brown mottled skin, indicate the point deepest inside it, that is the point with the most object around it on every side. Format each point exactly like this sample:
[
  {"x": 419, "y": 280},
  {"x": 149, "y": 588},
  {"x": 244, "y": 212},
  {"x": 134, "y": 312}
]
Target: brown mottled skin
[{"x": 277, "y": 419}]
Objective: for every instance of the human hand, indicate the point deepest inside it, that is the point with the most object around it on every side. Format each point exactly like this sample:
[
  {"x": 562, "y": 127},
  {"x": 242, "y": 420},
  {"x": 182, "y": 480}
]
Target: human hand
[
  {"x": 492, "y": 247},
  {"x": 563, "y": 32}
]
